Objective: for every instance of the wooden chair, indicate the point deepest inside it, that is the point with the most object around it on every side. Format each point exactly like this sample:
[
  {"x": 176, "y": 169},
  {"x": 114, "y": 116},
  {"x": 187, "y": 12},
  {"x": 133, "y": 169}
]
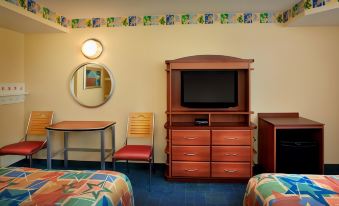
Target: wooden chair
[
  {"x": 37, "y": 123},
  {"x": 140, "y": 125}
]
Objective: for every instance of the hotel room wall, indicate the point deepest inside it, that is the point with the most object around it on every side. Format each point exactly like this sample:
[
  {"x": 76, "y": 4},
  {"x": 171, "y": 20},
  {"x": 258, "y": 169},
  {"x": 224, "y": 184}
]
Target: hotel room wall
[
  {"x": 12, "y": 126},
  {"x": 296, "y": 69}
]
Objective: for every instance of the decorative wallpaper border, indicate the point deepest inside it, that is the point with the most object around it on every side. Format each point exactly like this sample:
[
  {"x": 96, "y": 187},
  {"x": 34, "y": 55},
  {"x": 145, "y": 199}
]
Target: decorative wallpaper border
[
  {"x": 174, "y": 19},
  {"x": 203, "y": 18}
]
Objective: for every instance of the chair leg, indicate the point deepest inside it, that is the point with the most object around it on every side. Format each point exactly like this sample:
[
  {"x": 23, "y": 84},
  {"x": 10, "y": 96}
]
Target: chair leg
[
  {"x": 127, "y": 167},
  {"x": 150, "y": 175},
  {"x": 153, "y": 165},
  {"x": 113, "y": 161},
  {"x": 30, "y": 161}
]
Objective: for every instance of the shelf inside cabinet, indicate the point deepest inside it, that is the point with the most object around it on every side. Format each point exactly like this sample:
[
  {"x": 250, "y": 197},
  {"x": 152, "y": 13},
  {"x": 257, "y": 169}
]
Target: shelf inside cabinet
[
  {"x": 210, "y": 112},
  {"x": 213, "y": 125}
]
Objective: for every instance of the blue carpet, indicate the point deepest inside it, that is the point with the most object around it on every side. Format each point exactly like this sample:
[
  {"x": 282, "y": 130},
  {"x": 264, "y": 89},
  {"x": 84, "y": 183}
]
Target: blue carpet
[{"x": 162, "y": 192}]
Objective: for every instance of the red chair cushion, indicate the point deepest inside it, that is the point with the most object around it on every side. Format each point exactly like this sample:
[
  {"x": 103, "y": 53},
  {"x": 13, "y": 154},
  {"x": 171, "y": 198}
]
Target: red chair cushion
[
  {"x": 134, "y": 152},
  {"x": 22, "y": 148}
]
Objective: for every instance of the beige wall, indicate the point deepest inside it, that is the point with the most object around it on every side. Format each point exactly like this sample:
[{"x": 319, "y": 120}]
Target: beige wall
[
  {"x": 296, "y": 69},
  {"x": 11, "y": 70}
]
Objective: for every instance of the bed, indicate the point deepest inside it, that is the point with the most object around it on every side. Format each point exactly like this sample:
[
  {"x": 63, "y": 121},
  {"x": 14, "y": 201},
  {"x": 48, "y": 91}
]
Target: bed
[
  {"x": 29, "y": 186},
  {"x": 288, "y": 189}
]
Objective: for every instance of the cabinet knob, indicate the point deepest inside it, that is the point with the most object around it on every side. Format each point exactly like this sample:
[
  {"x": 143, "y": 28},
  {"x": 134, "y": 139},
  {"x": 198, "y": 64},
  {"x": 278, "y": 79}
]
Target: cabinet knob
[
  {"x": 191, "y": 170},
  {"x": 231, "y": 138},
  {"x": 189, "y": 154},
  {"x": 230, "y": 171},
  {"x": 228, "y": 154},
  {"x": 190, "y": 138}
]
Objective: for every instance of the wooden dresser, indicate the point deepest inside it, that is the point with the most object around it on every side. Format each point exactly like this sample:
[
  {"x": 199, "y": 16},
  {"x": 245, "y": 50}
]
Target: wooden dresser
[{"x": 223, "y": 148}]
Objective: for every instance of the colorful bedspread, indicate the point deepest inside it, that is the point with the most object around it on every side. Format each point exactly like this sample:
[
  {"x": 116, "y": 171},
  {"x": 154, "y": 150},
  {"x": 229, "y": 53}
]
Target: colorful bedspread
[
  {"x": 294, "y": 190},
  {"x": 29, "y": 186}
]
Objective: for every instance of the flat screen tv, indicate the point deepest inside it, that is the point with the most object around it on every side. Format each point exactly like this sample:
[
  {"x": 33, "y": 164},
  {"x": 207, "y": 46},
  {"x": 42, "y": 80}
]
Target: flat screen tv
[{"x": 209, "y": 89}]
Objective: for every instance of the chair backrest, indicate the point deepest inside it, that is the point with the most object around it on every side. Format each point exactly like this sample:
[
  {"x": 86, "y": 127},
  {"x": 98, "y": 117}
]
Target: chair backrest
[
  {"x": 140, "y": 125},
  {"x": 37, "y": 123}
]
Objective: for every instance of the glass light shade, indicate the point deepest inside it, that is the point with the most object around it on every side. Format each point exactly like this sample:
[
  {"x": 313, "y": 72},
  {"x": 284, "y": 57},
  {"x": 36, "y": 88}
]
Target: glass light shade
[{"x": 91, "y": 48}]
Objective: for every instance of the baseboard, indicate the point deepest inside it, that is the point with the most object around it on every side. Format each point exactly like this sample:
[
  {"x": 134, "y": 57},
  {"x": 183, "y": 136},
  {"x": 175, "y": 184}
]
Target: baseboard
[
  {"x": 86, "y": 165},
  {"x": 329, "y": 169}
]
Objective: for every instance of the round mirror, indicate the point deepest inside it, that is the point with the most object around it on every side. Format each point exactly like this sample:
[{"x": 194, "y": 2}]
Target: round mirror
[{"x": 92, "y": 84}]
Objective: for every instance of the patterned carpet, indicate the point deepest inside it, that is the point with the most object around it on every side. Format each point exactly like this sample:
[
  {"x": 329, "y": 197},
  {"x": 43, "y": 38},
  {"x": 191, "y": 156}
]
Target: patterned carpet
[{"x": 162, "y": 192}]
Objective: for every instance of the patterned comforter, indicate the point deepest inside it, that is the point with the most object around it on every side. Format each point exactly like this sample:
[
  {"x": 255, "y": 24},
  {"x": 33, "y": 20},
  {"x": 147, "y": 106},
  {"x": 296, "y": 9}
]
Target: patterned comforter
[
  {"x": 29, "y": 186},
  {"x": 287, "y": 189}
]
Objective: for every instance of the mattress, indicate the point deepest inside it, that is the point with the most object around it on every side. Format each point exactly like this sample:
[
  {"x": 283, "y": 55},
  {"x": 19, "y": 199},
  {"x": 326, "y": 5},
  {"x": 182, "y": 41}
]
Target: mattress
[
  {"x": 29, "y": 186},
  {"x": 290, "y": 189}
]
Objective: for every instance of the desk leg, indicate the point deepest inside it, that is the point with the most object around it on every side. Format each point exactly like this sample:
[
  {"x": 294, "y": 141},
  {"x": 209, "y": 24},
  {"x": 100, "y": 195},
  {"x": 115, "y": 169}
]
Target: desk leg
[
  {"x": 102, "y": 135},
  {"x": 49, "y": 150},
  {"x": 66, "y": 149},
  {"x": 113, "y": 139},
  {"x": 113, "y": 146}
]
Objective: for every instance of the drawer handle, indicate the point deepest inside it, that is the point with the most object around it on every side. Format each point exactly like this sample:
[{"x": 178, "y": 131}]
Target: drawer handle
[
  {"x": 191, "y": 170},
  {"x": 227, "y": 154},
  {"x": 230, "y": 171},
  {"x": 190, "y": 138},
  {"x": 189, "y": 154},
  {"x": 232, "y": 138}
]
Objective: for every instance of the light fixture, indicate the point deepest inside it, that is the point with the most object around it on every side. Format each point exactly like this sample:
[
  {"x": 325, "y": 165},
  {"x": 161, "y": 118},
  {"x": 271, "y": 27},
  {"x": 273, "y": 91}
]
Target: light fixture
[{"x": 92, "y": 48}]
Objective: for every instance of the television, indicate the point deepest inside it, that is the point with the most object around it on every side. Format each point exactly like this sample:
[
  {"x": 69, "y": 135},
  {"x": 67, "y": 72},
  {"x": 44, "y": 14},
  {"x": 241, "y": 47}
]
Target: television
[{"x": 209, "y": 89}]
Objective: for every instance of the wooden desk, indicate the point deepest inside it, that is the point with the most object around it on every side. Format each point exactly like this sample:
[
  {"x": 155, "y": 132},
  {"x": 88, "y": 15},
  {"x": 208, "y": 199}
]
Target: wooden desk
[
  {"x": 80, "y": 126},
  {"x": 275, "y": 126}
]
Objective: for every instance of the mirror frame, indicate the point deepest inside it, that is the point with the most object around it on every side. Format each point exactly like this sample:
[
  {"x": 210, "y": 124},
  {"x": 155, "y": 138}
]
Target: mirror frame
[{"x": 112, "y": 84}]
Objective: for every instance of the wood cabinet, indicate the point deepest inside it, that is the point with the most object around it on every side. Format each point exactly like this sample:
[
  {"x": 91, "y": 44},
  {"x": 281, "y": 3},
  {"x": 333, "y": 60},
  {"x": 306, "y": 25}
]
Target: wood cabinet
[
  {"x": 288, "y": 143},
  {"x": 191, "y": 137},
  {"x": 231, "y": 153},
  {"x": 222, "y": 149},
  {"x": 191, "y": 153}
]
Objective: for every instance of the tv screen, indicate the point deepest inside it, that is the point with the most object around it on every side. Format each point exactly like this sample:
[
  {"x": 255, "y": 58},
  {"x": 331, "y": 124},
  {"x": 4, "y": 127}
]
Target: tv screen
[{"x": 209, "y": 89}]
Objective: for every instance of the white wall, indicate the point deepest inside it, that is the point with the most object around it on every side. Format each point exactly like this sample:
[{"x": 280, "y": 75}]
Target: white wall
[
  {"x": 296, "y": 70},
  {"x": 11, "y": 71}
]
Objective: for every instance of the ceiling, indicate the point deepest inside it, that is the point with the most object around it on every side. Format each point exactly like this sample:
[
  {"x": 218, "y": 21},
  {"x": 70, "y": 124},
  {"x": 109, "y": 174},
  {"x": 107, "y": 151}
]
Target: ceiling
[
  {"x": 108, "y": 8},
  {"x": 15, "y": 18},
  {"x": 329, "y": 17}
]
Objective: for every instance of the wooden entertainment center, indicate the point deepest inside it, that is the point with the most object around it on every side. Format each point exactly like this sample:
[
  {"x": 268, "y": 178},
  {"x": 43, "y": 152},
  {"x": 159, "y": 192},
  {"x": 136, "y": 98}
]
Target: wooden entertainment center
[{"x": 223, "y": 148}]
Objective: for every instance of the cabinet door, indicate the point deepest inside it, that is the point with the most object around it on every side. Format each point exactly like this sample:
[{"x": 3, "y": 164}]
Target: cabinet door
[
  {"x": 231, "y": 153},
  {"x": 231, "y": 137},
  {"x": 191, "y": 153},
  {"x": 190, "y": 169},
  {"x": 190, "y": 137},
  {"x": 231, "y": 169}
]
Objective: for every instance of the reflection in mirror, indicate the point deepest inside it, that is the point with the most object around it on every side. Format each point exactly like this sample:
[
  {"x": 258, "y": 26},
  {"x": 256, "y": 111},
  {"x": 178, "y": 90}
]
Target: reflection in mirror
[{"x": 92, "y": 84}]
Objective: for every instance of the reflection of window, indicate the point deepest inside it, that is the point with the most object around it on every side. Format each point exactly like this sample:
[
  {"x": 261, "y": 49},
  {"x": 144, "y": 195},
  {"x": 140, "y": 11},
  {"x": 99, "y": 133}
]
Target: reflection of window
[{"x": 92, "y": 78}]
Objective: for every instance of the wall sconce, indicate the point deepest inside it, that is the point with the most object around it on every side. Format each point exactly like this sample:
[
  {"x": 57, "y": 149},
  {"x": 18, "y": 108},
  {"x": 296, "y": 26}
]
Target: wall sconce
[{"x": 92, "y": 48}]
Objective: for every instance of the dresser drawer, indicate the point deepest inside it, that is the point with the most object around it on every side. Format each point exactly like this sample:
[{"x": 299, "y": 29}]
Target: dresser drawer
[
  {"x": 191, "y": 137},
  {"x": 191, "y": 153},
  {"x": 231, "y": 169},
  {"x": 231, "y": 153},
  {"x": 231, "y": 137},
  {"x": 191, "y": 169}
]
